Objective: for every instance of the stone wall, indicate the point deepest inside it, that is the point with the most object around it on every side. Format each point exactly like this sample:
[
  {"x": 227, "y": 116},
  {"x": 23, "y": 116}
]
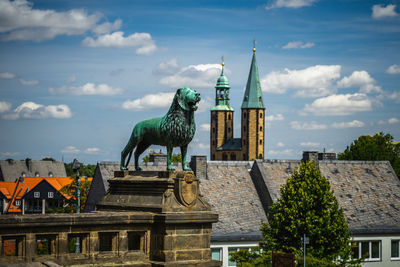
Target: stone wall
[{"x": 145, "y": 219}]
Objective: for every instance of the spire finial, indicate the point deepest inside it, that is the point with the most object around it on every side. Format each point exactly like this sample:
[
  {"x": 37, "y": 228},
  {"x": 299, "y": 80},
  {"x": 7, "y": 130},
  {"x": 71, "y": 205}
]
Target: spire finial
[
  {"x": 254, "y": 45},
  {"x": 223, "y": 61}
]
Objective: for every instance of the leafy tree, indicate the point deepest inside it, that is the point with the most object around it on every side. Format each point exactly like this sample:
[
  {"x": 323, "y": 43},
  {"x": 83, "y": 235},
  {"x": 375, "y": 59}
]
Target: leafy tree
[
  {"x": 85, "y": 170},
  {"x": 174, "y": 158},
  {"x": 48, "y": 159},
  {"x": 70, "y": 190},
  {"x": 307, "y": 206},
  {"x": 377, "y": 147}
]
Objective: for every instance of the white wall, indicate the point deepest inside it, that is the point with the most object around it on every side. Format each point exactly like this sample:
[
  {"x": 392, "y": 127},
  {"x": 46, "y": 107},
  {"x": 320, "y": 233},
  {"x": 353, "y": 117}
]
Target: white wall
[
  {"x": 226, "y": 245},
  {"x": 385, "y": 248}
]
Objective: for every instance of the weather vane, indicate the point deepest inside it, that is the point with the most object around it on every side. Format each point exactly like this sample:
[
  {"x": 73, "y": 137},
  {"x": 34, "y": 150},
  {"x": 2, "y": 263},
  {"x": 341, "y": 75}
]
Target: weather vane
[
  {"x": 254, "y": 45},
  {"x": 223, "y": 61}
]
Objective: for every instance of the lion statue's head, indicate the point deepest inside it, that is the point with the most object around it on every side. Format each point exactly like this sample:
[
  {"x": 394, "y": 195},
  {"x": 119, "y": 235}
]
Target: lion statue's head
[{"x": 187, "y": 98}]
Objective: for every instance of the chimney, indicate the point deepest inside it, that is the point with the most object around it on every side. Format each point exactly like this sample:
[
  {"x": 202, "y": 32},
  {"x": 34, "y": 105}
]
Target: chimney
[
  {"x": 311, "y": 156},
  {"x": 28, "y": 163},
  {"x": 199, "y": 165}
]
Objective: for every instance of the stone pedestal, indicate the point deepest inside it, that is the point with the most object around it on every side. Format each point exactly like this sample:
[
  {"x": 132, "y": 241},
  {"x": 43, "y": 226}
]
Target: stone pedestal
[{"x": 180, "y": 234}]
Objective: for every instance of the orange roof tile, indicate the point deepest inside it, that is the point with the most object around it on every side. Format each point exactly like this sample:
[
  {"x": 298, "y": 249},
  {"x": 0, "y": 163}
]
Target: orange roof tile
[{"x": 28, "y": 183}]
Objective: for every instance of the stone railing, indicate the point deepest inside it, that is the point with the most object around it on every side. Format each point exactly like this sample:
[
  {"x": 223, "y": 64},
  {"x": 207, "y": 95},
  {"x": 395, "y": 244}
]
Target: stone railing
[{"x": 144, "y": 220}]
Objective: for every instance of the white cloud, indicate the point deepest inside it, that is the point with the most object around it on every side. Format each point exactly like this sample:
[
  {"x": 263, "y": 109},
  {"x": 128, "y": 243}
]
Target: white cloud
[
  {"x": 167, "y": 68},
  {"x": 7, "y": 75},
  {"x": 350, "y": 124},
  {"x": 92, "y": 150},
  {"x": 31, "y": 110},
  {"x": 360, "y": 79},
  {"x": 393, "y": 120},
  {"x": 4, "y": 106},
  {"x": 87, "y": 89},
  {"x": 309, "y": 144},
  {"x": 194, "y": 76},
  {"x": 297, "y": 45},
  {"x": 314, "y": 81},
  {"x": 205, "y": 127},
  {"x": 31, "y": 82},
  {"x": 340, "y": 104},
  {"x": 145, "y": 45},
  {"x": 280, "y": 144},
  {"x": 107, "y": 27},
  {"x": 307, "y": 125},
  {"x": 395, "y": 96},
  {"x": 20, "y": 21},
  {"x": 394, "y": 69},
  {"x": 70, "y": 150},
  {"x": 159, "y": 100},
  {"x": 281, "y": 152},
  {"x": 277, "y": 117},
  {"x": 290, "y": 3},
  {"x": 380, "y": 11}
]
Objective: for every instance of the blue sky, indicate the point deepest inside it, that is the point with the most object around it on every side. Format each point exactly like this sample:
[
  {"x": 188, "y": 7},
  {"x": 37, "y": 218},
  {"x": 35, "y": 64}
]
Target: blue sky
[{"x": 76, "y": 76}]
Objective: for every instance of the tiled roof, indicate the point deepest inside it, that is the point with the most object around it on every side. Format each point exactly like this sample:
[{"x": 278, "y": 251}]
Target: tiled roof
[
  {"x": 10, "y": 170},
  {"x": 231, "y": 144},
  {"x": 368, "y": 191},
  {"x": 29, "y": 183},
  {"x": 230, "y": 191}
]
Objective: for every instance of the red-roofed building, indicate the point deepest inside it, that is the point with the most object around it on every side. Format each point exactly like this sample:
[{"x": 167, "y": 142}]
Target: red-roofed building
[{"x": 33, "y": 194}]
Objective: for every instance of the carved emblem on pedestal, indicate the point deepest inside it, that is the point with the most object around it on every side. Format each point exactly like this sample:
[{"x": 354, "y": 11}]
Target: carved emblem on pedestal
[{"x": 188, "y": 189}]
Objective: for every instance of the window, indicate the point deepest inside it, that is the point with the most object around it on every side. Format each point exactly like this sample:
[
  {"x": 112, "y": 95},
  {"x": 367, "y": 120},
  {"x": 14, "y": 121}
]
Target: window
[
  {"x": 45, "y": 244},
  {"x": 216, "y": 254},
  {"x": 229, "y": 130},
  {"x": 261, "y": 115},
  {"x": 23, "y": 174},
  {"x": 260, "y": 128},
  {"x": 107, "y": 241},
  {"x": 244, "y": 128},
  {"x": 36, "y": 194},
  {"x": 37, "y": 174},
  {"x": 260, "y": 141},
  {"x": 229, "y": 116},
  {"x": 18, "y": 203},
  {"x": 135, "y": 241},
  {"x": 50, "y": 174},
  {"x": 244, "y": 115},
  {"x": 395, "y": 254},
  {"x": 50, "y": 194},
  {"x": 370, "y": 248},
  {"x": 213, "y": 130},
  {"x": 13, "y": 245}
]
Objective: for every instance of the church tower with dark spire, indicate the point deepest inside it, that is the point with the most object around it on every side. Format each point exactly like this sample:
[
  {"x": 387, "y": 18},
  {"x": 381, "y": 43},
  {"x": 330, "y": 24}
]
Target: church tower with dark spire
[{"x": 253, "y": 113}]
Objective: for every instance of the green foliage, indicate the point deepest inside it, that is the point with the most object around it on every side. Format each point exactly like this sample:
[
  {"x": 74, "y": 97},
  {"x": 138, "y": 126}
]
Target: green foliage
[
  {"x": 253, "y": 258},
  {"x": 48, "y": 159},
  {"x": 176, "y": 158},
  {"x": 70, "y": 190},
  {"x": 307, "y": 206},
  {"x": 85, "y": 170},
  {"x": 377, "y": 147}
]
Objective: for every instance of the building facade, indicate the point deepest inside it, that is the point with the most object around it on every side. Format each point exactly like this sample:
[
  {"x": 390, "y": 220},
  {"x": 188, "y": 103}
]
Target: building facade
[{"x": 223, "y": 145}]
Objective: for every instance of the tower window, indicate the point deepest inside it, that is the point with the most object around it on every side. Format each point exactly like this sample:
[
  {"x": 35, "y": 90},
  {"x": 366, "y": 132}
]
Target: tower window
[
  {"x": 260, "y": 115},
  {"x": 244, "y": 115},
  {"x": 229, "y": 116},
  {"x": 260, "y": 128},
  {"x": 244, "y": 128},
  {"x": 260, "y": 156},
  {"x": 260, "y": 142},
  {"x": 213, "y": 130},
  {"x": 213, "y": 142},
  {"x": 229, "y": 130}
]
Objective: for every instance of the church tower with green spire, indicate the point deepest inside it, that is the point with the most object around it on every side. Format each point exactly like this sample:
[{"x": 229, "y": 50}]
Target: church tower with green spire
[
  {"x": 221, "y": 130},
  {"x": 253, "y": 113}
]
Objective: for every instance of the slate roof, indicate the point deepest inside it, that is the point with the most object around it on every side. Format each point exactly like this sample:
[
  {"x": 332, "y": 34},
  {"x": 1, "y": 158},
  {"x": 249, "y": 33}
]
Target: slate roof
[
  {"x": 10, "y": 170},
  {"x": 368, "y": 191},
  {"x": 229, "y": 190}
]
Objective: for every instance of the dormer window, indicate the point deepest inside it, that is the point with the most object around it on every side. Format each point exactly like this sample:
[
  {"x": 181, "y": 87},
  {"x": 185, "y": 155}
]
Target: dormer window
[
  {"x": 17, "y": 203},
  {"x": 23, "y": 174},
  {"x": 50, "y": 174},
  {"x": 37, "y": 174},
  {"x": 50, "y": 194},
  {"x": 36, "y": 194}
]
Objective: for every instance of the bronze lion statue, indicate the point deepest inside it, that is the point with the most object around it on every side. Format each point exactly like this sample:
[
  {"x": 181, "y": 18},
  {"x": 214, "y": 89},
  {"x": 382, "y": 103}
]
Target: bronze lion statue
[{"x": 176, "y": 128}]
